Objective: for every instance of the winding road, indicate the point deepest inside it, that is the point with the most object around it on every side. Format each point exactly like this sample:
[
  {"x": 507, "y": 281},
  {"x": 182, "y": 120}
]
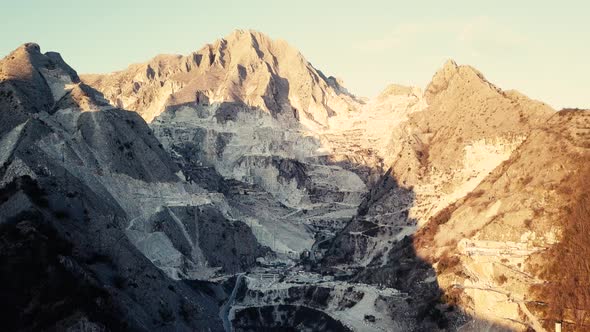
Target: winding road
[{"x": 226, "y": 308}]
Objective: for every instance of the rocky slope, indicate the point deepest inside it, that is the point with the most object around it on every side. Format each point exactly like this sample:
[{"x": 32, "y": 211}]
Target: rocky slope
[
  {"x": 503, "y": 249},
  {"x": 438, "y": 155},
  {"x": 440, "y": 158},
  {"x": 469, "y": 127},
  {"x": 245, "y": 67},
  {"x": 252, "y": 109},
  {"x": 91, "y": 183},
  {"x": 506, "y": 251},
  {"x": 401, "y": 159}
]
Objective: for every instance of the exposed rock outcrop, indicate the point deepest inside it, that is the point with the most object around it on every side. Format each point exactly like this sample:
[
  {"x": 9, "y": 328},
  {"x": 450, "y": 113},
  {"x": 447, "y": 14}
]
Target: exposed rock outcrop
[
  {"x": 252, "y": 109},
  {"x": 246, "y": 67},
  {"x": 79, "y": 175}
]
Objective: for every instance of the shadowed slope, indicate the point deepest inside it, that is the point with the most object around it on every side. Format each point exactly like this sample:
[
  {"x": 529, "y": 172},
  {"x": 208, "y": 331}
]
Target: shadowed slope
[{"x": 99, "y": 170}]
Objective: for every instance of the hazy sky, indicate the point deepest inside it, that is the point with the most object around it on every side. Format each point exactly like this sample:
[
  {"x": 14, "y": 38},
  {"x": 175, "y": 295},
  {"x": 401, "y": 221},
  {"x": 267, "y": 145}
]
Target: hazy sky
[{"x": 541, "y": 48}]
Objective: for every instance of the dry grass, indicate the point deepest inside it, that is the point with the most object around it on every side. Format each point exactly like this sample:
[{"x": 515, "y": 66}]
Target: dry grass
[
  {"x": 527, "y": 223},
  {"x": 425, "y": 236},
  {"x": 567, "y": 264},
  {"x": 447, "y": 262},
  {"x": 502, "y": 279}
]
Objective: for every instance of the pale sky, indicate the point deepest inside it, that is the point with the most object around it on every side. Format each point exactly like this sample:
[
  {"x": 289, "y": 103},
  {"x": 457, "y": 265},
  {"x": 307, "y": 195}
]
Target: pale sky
[{"x": 540, "y": 48}]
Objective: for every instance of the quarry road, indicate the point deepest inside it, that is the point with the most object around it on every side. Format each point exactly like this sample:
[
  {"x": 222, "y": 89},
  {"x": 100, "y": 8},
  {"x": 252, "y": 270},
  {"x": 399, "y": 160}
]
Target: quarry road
[
  {"x": 315, "y": 246},
  {"x": 225, "y": 310}
]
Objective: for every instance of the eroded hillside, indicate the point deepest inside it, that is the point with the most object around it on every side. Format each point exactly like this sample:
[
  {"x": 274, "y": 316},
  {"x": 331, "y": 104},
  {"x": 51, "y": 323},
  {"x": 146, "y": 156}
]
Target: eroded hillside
[
  {"x": 513, "y": 249},
  {"x": 437, "y": 156}
]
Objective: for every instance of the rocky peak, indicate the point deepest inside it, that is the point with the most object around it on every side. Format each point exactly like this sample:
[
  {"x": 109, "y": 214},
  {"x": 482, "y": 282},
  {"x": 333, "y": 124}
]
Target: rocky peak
[
  {"x": 33, "y": 81},
  {"x": 448, "y": 69},
  {"x": 246, "y": 66},
  {"x": 23, "y": 62},
  {"x": 30, "y": 48},
  {"x": 459, "y": 93},
  {"x": 251, "y": 40},
  {"x": 463, "y": 77},
  {"x": 245, "y": 51},
  {"x": 396, "y": 90}
]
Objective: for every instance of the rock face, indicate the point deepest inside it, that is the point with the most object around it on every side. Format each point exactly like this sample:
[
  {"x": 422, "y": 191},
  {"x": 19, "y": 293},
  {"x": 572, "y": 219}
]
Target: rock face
[
  {"x": 252, "y": 109},
  {"x": 254, "y": 148},
  {"x": 92, "y": 184},
  {"x": 245, "y": 67}
]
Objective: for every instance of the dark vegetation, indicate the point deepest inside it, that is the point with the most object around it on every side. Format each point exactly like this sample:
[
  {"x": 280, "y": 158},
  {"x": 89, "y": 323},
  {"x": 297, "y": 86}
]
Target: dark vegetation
[
  {"x": 425, "y": 236},
  {"x": 29, "y": 186},
  {"x": 39, "y": 286},
  {"x": 294, "y": 318}
]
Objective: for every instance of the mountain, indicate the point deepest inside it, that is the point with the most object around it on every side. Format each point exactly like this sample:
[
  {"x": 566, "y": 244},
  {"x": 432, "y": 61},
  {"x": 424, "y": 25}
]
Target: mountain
[
  {"x": 439, "y": 158},
  {"x": 439, "y": 154},
  {"x": 239, "y": 188},
  {"x": 251, "y": 109},
  {"x": 245, "y": 67},
  {"x": 78, "y": 175},
  {"x": 150, "y": 236},
  {"x": 515, "y": 246}
]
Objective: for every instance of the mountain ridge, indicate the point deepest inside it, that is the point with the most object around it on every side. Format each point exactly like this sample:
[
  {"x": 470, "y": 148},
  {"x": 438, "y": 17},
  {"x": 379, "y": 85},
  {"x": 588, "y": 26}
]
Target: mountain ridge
[{"x": 245, "y": 66}]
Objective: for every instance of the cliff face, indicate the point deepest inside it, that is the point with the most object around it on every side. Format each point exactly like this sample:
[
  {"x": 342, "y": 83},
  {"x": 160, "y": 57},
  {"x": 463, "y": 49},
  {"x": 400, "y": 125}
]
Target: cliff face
[{"x": 92, "y": 184}]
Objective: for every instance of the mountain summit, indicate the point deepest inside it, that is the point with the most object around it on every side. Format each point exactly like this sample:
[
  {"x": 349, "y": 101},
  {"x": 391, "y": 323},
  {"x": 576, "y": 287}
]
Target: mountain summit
[{"x": 246, "y": 66}]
